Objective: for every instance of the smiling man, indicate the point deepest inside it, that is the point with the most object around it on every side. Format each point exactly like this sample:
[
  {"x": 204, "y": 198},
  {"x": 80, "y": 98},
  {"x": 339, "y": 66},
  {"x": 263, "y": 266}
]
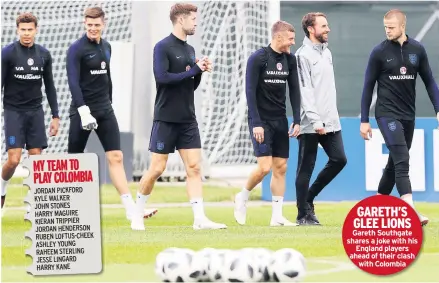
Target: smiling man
[
  {"x": 320, "y": 122},
  {"x": 89, "y": 78},
  {"x": 269, "y": 70},
  {"x": 25, "y": 65}
]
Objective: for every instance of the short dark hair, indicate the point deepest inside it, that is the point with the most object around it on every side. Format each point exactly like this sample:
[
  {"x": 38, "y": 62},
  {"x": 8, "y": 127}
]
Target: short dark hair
[
  {"x": 181, "y": 9},
  {"x": 26, "y": 18},
  {"x": 94, "y": 13},
  {"x": 309, "y": 20},
  {"x": 281, "y": 26}
]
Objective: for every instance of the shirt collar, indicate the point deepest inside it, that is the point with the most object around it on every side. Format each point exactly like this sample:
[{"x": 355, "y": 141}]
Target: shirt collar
[
  {"x": 317, "y": 46},
  {"x": 177, "y": 39}
]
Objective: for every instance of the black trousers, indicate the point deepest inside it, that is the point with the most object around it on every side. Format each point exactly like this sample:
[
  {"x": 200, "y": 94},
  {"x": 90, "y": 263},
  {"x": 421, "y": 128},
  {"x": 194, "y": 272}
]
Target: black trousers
[
  {"x": 398, "y": 135},
  {"x": 332, "y": 143}
]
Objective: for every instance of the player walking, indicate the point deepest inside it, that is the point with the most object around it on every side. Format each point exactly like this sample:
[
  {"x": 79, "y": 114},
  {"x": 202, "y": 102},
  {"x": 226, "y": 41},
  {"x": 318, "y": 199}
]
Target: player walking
[
  {"x": 89, "y": 78},
  {"x": 177, "y": 74},
  {"x": 394, "y": 64},
  {"x": 268, "y": 70},
  {"x": 25, "y": 65},
  {"x": 320, "y": 122}
]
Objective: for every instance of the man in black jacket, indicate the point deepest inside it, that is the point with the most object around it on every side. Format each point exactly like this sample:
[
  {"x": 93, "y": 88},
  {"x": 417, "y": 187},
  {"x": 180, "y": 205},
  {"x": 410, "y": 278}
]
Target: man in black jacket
[
  {"x": 25, "y": 65},
  {"x": 394, "y": 64}
]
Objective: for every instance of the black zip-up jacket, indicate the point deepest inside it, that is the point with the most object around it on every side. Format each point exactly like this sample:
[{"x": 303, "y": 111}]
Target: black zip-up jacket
[
  {"x": 23, "y": 70},
  {"x": 267, "y": 75},
  {"x": 177, "y": 76},
  {"x": 395, "y": 68},
  {"x": 88, "y": 73}
]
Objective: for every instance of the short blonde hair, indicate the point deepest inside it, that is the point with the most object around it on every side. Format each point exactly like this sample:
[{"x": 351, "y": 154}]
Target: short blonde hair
[
  {"x": 400, "y": 15},
  {"x": 280, "y": 26}
]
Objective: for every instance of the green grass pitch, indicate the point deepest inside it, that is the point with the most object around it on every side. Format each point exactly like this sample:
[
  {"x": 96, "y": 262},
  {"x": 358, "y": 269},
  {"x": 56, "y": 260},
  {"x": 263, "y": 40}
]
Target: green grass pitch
[{"x": 128, "y": 256}]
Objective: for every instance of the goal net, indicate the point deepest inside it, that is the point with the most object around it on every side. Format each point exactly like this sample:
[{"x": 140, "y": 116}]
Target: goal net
[
  {"x": 230, "y": 32},
  {"x": 60, "y": 24}
]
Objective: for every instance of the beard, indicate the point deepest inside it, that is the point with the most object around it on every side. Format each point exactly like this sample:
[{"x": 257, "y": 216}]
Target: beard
[
  {"x": 395, "y": 38},
  {"x": 320, "y": 38},
  {"x": 189, "y": 31}
]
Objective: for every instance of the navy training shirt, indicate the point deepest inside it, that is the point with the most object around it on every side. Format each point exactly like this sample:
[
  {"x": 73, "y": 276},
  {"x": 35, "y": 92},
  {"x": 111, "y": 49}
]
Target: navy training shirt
[
  {"x": 395, "y": 68},
  {"x": 23, "y": 70},
  {"x": 266, "y": 76},
  {"x": 177, "y": 76},
  {"x": 88, "y": 73}
]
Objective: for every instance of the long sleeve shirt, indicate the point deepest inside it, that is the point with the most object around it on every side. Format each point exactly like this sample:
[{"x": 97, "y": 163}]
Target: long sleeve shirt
[
  {"x": 267, "y": 75},
  {"x": 23, "y": 71},
  {"x": 177, "y": 77},
  {"x": 395, "y": 67},
  {"x": 89, "y": 75}
]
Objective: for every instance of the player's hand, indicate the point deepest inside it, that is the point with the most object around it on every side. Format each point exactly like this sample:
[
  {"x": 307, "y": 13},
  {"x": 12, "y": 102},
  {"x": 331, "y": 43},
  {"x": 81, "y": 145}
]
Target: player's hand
[
  {"x": 202, "y": 64},
  {"x": 208, "y": 65},
  {"x": 258, "y": 133},
  {"x": 321, "y": 131},
  {"x": 54, "y": 126},
  {"x": 319, "y": 128},
  {"x": 88, "y": 122},
  {"x": 366, "y": 131},
  {"x": 294, "y": 130}
]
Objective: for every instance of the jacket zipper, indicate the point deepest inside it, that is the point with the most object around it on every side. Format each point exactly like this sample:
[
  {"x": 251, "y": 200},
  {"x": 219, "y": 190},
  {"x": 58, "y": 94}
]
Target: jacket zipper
[{"x": 402, "y": 56}]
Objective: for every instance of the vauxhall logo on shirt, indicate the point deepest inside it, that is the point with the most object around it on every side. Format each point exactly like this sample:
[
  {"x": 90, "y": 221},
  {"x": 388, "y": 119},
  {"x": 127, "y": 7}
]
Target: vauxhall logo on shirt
[
  {"x": 279, "y": 73},
  {"x": 413, "y": 58},
  {"x": 19, "y": 70},
  {"x": 403, "y": 76},
  {"x": 100, "y": 72}
]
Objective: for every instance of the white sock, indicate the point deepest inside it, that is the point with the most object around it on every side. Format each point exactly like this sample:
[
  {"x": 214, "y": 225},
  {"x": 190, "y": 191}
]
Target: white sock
[
  {"x": 409, "y": 201},
  {"x": 141, "y": 202},
  {"x": 198, "y": 208},
  {"x": 128, "y": 202},
  {"x": 277, "y": 203},
  {"x": 245, "y": 193},
  {"x": 3, "y": 183}
]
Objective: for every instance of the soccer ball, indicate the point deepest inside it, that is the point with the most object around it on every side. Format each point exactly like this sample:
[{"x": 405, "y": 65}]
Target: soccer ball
[
  {"x": 241, "y": 266},
  {"x": 217, "y": 265},
  {"x": 199, "y": 266},
  {"x": 172, "y": 265},
  {"x": 261, "y": 259},
  {"x": 287, "y": 265},
  {"x": 161, "y": 260}
]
